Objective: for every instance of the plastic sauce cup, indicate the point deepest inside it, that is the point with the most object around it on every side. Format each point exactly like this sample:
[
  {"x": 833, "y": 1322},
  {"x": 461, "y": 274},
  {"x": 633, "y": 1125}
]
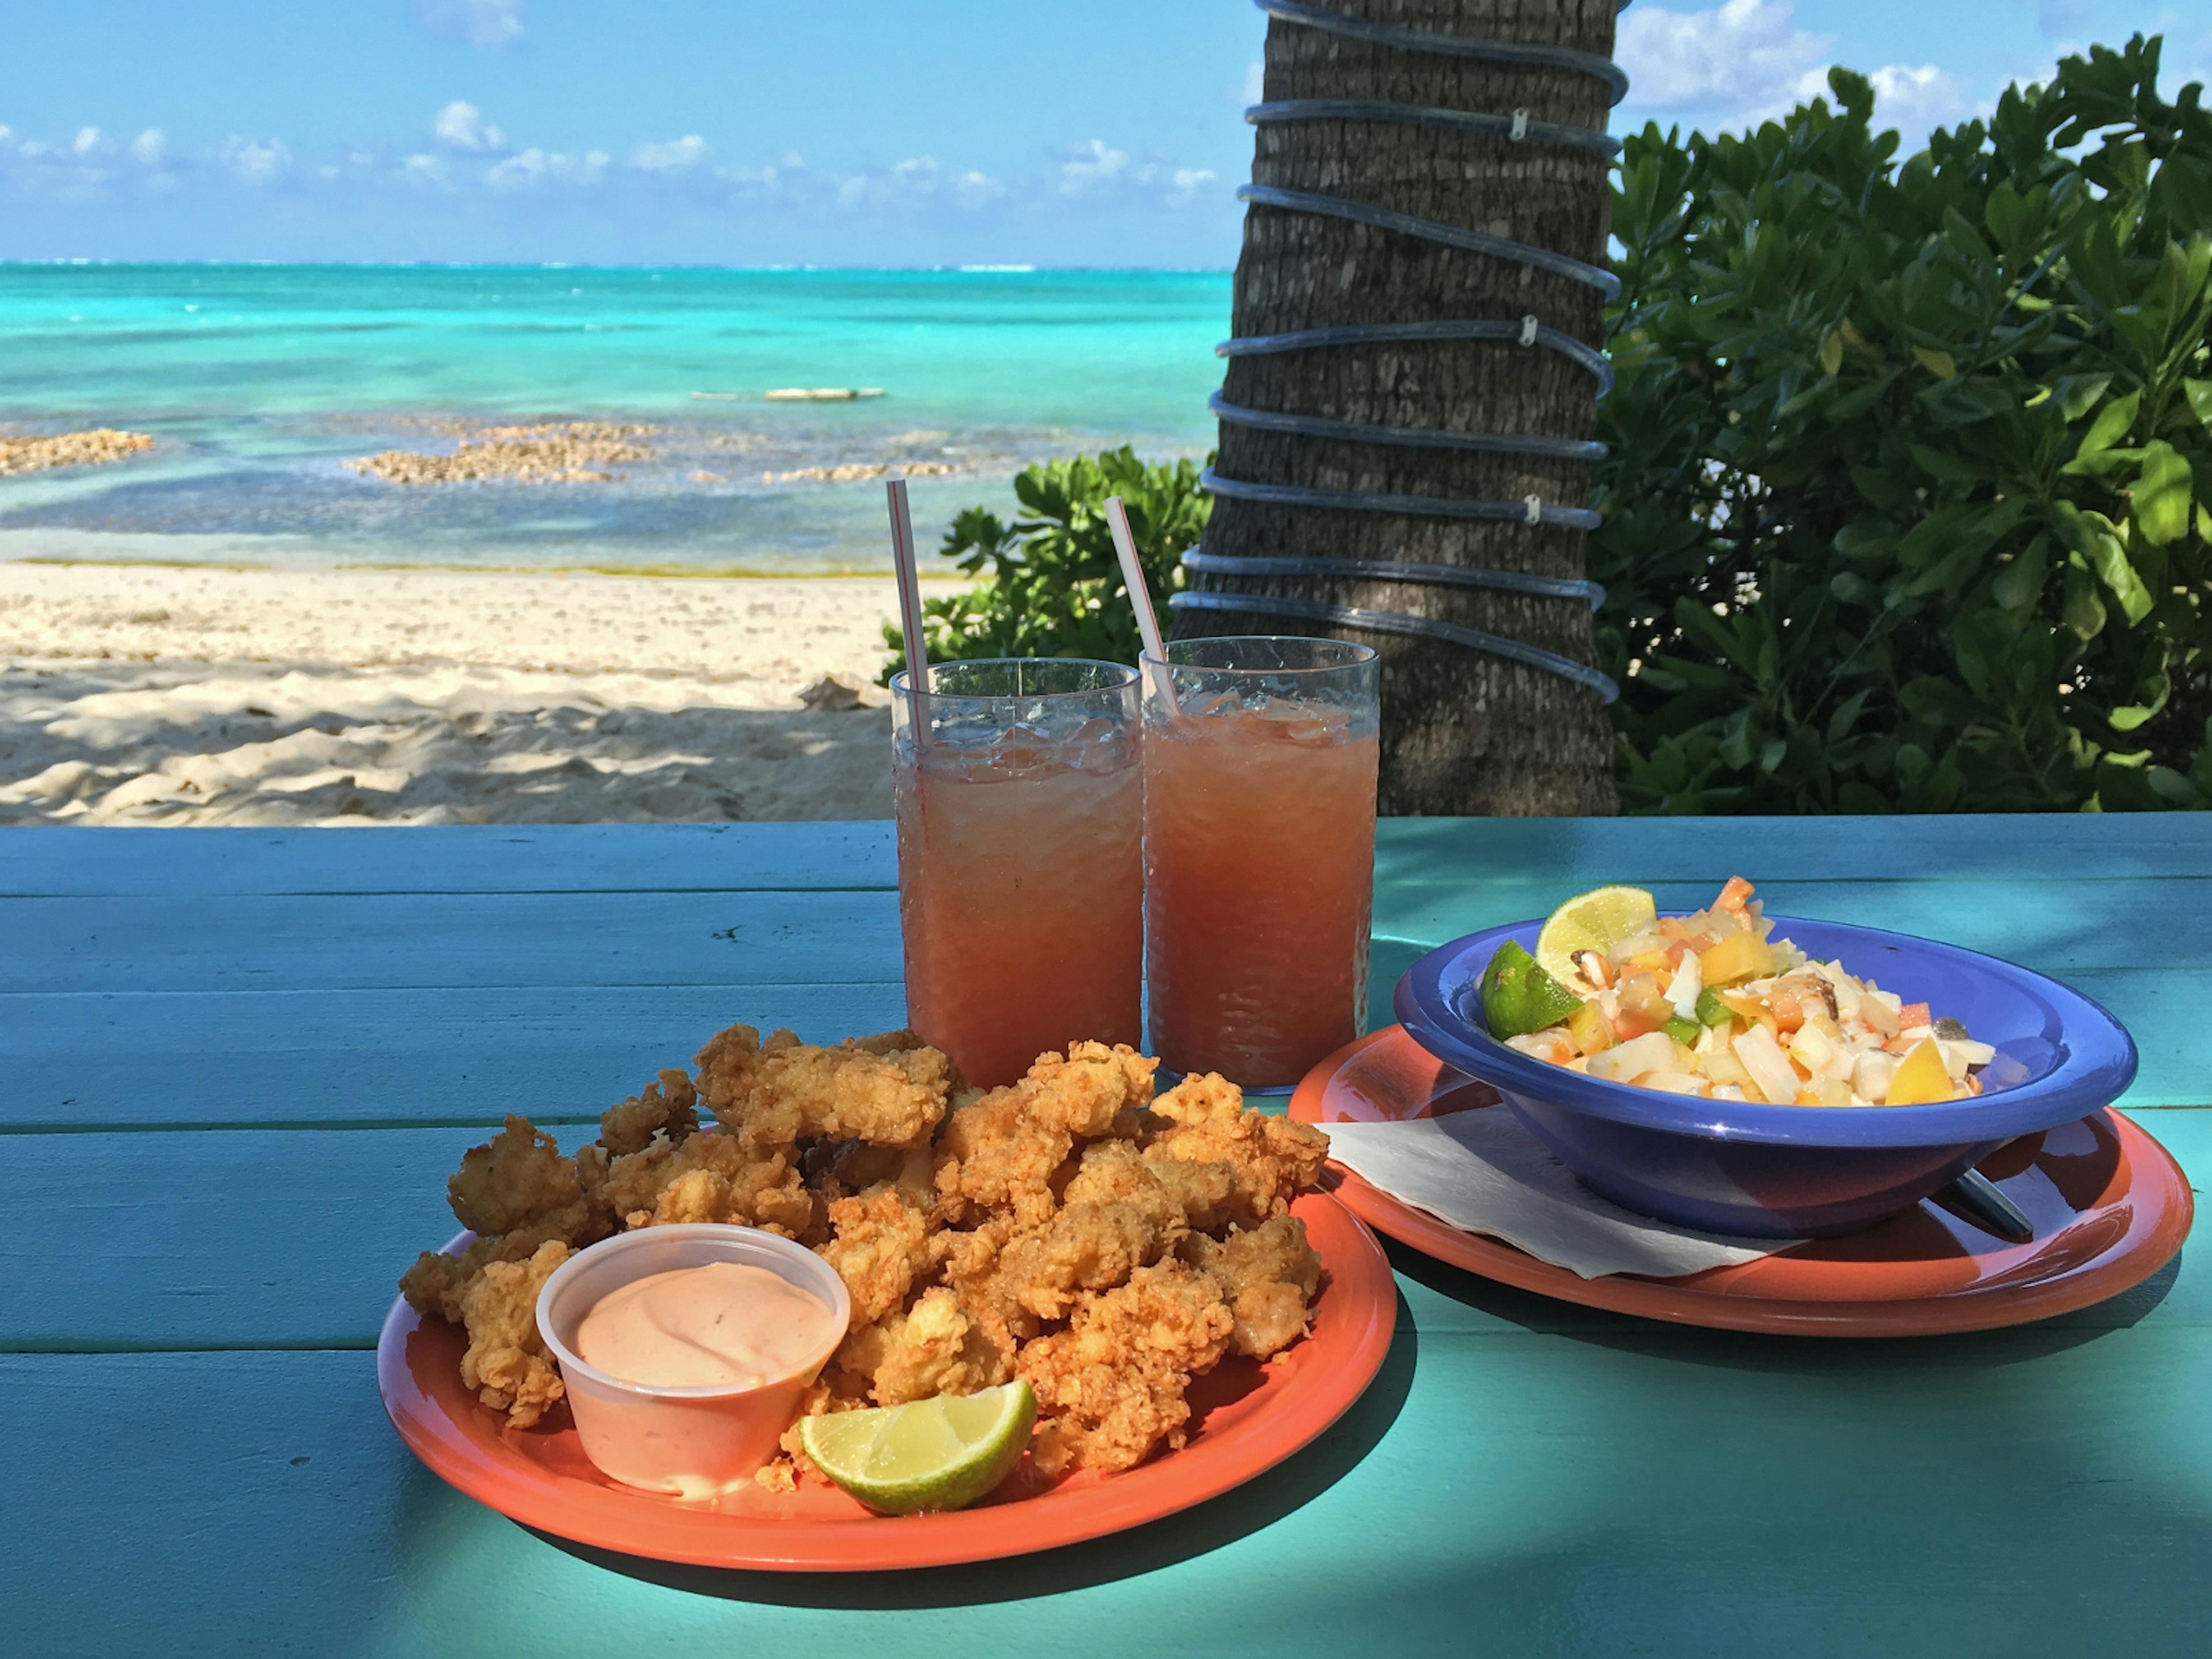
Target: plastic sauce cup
[{"x": 694, "y": 1443}]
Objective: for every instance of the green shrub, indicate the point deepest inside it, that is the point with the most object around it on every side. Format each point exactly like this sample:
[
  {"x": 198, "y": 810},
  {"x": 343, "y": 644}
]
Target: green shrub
[
  {"x": 1904, "y": 507},
  {"x": 1051, "y": 585}
]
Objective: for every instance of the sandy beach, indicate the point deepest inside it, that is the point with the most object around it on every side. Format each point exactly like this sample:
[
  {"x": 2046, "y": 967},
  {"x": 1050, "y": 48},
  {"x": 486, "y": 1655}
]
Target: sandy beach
[{"x": 190, "y": 696}]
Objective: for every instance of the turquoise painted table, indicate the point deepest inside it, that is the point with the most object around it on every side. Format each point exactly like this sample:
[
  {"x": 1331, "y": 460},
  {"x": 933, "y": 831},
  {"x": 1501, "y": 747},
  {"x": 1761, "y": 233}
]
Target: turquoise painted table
[{"x": 236, "y": 1067}]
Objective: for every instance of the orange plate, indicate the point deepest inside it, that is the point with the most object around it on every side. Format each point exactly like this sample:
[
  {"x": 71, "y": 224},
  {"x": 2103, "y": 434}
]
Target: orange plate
[
  {"x": 1246, "y": 1418},
  {"x": 2109, "y": 1204}
]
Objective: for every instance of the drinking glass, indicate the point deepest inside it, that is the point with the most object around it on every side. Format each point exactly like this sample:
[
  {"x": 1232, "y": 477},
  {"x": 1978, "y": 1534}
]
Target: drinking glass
[
  {"x": 1260, "y": 765},
  {"x": 1019, "y": 788}
]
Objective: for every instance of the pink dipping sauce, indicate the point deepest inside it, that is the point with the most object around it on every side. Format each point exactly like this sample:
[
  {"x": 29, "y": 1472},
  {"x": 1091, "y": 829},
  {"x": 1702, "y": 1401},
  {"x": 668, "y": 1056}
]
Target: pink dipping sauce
[{"x": 722, "y": 1325}]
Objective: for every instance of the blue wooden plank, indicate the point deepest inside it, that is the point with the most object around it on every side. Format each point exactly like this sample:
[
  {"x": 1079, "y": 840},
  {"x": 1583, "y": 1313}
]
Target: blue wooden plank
[
  {"x": 502, "y": 859},
  {"x": 318, "y": 941},
  {"x": 315, "y": 942},
  {"x": 1707, "y": 851},
  {"x": 376, "y": 1056},
  {"x": 640, "y": 858},
  {"x": 294, "y": 1239},
  {"x": 1539, "y": 1494}
]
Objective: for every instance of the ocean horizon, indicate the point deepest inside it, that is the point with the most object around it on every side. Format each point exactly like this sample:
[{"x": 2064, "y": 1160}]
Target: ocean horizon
[{"x": 260, "y": 382}]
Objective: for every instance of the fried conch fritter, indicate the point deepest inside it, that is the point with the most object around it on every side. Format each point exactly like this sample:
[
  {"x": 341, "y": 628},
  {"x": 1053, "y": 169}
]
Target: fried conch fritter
[{"x": 1071, "y": 1229}]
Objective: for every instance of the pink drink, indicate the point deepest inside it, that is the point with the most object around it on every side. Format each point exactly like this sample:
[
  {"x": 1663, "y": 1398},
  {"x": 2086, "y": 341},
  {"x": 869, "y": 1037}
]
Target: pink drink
[
  {"x": 1021, "y": 877},
  {"x": 1259, "y": 859}
]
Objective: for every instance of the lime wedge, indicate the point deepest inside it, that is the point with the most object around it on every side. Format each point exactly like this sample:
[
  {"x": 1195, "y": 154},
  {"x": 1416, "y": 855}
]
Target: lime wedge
[
  {"x": 942, "y": 1453},
  {"x": 1596, "y": 921},
  {"x": 1519, "y": 997}
]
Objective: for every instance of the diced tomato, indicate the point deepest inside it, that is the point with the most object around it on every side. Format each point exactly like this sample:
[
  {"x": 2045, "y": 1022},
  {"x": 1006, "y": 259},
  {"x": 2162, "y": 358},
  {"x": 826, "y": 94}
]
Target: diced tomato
[{"x": 1632, "y": 1023}]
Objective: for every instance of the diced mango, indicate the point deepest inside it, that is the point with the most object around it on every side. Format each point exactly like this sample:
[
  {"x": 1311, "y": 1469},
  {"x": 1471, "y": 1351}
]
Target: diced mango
[
  {"x": 1652, "y": 961},
  {"x": 1737, "y": 957},
  {"x": 1587, "y": 1027},
  {"x": 1921, "y": 1080}
]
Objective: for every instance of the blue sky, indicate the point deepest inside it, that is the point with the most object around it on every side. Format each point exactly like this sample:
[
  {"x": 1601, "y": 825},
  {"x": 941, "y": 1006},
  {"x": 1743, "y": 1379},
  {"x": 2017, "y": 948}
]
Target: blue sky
[{"x": 841, "y": 133}]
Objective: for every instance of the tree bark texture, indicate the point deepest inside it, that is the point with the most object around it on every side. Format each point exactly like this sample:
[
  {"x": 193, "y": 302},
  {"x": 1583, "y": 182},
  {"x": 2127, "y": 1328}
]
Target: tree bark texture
[{"x": 1463, "y": 731}]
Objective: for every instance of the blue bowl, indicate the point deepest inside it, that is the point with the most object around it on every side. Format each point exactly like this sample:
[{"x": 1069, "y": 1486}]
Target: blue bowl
[{"x": 1791, "y": 1171}]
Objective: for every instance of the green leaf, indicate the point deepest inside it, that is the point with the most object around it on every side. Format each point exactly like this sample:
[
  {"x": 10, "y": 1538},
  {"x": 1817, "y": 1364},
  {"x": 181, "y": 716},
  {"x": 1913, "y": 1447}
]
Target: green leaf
[
  {"x": 1943, "y": 464},
  {"x": 2110, "y": 426},
  {"x": 2094, "y": 539},
  {"x": 1940, "y": 364},
  {"x": 2199, "y": 394},
  {"x": 2126, "y": 720},
  {"x": 2162, "y": 495},
  {"x": 2083, "y": 612},
  {"x": 1832, "y": 351},
  {"x": 2078, "y": 393},
  {"x": 2021, "y": 583}
]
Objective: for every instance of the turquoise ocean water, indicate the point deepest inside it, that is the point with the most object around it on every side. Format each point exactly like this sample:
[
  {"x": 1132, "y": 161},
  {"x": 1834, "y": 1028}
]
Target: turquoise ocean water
[{"x": 260, "y": 381}]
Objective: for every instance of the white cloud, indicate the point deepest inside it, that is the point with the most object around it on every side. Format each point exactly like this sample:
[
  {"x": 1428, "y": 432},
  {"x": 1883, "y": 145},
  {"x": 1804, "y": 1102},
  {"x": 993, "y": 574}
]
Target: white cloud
[
  {"x": 535, "y": 166},
  {"x": 972, "y": 188},
  {"x": 674, "y": 156},
  {"x": 1186, "y": 180},
  {"x": 479, "y": 22},
  {"x": 256, "y": 160},
  {"x": 1255, "y": 88},
  {"x": 88, "y": 140},
  {"x": 151, "y": 146},
  {"x": 1917, "y": 100},
  {"x": 1738, "y": 62},
  {"x": 426, "y": 170},
  {"x": 461, "y": 125},
  {"x": 1083, "y": 166},
  {"x": 6, "y": 133}
]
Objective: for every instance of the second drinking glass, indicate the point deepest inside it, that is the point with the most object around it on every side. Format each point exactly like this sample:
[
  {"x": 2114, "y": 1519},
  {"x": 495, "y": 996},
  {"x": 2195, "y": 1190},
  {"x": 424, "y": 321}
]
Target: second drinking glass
[
  {"x": 1019, "y": 790},
  {"x": 1260, "y": 768}
]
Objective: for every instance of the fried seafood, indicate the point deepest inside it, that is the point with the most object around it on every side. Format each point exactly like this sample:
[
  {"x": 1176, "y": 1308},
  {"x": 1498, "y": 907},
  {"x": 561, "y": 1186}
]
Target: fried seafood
[
  {"x": 1071, "y": 1229},
  {"x": 1267, "y": 1277},
  {"x": 879, "y": 1245},
  {"x": 667, "y": 1107},
  {"x": 1270, "y": 1158},
  {"x": 506, "y": 1361},
  {"x": 1110, "y": 1387},
  {"x": 709, "y": 1177},
  {"x": 781, "y": 1092},
  {"x": 1001, "y": 1152},
  {"x": 515, "y": 1177}
]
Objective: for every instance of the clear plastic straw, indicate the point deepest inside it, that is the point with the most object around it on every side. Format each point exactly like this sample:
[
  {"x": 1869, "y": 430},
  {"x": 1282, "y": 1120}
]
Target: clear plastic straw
[
  {"x": 910, "y": 618},
  {"x": 1132, "y": 577}
]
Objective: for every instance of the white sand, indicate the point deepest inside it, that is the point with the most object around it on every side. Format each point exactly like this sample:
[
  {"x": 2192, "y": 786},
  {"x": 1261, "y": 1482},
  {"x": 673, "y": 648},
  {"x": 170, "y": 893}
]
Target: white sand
[{"x": 151, "y": 694}]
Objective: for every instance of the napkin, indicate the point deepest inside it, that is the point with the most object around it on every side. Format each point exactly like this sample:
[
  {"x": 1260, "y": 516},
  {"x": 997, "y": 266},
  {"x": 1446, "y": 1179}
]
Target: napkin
[{"x": 1483, "y": 1173}]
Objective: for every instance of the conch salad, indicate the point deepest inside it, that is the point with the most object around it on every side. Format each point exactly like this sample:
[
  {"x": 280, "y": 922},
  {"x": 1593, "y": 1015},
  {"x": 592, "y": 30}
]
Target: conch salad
[{"x": 1713, "y": 1004}]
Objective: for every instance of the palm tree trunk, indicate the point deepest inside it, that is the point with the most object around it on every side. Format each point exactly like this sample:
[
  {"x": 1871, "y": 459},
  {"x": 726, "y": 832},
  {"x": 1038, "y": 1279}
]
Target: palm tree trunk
[{"x": 1464, "y": 732}]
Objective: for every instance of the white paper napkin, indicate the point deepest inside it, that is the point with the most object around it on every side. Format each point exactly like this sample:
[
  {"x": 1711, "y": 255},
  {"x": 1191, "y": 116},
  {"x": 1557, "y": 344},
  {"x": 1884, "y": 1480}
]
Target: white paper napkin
[{"x": 1482, "y": 1172}]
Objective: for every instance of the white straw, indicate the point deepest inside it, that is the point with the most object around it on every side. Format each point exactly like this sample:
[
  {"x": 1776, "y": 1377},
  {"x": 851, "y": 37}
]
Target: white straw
[
  {"x": 910, "y": 620},
  {"x": 1132, "y": 577}
]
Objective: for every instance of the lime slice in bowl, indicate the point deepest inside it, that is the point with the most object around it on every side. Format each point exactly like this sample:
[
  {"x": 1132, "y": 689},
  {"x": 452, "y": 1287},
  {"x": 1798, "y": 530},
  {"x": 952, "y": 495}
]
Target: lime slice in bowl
[
  {"x": 1519, "y": 997},
  {"x": 942, "y": 1453},
  {"x": 1596, "y": 921}
]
